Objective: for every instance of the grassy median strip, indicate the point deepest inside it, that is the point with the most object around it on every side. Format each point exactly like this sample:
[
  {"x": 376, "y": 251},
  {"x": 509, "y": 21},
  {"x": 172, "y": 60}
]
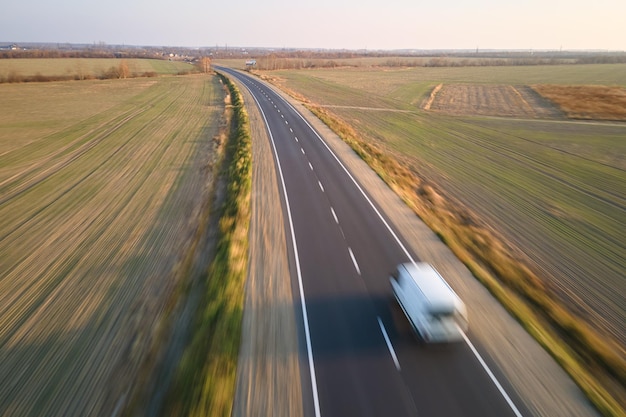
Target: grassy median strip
[{"x": 205, "y": 381}]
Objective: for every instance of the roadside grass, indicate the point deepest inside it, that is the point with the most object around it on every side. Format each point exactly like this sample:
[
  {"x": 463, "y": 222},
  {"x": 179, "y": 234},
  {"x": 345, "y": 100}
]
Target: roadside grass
[
  {"x": 97, "y": 210},
  {"x": 489, "y": 187},
  {"x": 204, "y": 384}
]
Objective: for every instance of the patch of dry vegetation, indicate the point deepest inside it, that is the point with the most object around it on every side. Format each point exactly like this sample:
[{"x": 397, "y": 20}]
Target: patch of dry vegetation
[
  {"x": 432, "y": 96},
  {"x": 595, "y": 102}
]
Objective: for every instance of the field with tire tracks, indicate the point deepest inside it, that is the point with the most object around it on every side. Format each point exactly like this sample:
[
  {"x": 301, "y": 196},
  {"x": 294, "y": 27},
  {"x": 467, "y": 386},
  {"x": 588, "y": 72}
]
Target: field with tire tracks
[{"x": 101, "y": 186}]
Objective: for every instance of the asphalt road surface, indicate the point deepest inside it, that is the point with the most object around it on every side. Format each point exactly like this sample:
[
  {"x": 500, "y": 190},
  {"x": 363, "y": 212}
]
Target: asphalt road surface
[{"x": 362, "y": 357}]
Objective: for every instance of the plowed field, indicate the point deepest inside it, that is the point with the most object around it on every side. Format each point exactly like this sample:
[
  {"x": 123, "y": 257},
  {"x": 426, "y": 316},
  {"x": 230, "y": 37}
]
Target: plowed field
[{"x": 492, "y": 100}]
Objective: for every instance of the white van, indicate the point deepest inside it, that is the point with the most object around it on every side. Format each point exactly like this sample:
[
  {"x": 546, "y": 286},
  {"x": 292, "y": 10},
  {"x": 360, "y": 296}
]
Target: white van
[{"x": 434, "y": 310}]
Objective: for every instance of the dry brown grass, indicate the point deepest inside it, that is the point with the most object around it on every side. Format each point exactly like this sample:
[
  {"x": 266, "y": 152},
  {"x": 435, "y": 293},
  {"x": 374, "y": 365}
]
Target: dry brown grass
[{"x": 597, "y": 102}]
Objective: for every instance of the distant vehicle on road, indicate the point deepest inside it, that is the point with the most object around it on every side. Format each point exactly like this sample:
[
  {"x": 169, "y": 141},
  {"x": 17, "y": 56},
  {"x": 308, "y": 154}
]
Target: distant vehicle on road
[{"x": 434, "y": 310}]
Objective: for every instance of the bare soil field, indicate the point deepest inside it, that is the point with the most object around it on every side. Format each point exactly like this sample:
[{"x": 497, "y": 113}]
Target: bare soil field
[
  {"x": 492, "y": 100},
  {"x": 98, "y": 206}
]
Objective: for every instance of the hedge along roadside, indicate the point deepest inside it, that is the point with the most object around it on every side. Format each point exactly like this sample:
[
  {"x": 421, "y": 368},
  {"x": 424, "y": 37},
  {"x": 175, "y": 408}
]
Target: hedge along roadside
[{"x": 204, "y": 384}]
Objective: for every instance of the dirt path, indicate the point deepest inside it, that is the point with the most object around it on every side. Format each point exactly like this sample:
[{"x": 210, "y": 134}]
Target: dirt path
[{"x": 433, "y": 94}]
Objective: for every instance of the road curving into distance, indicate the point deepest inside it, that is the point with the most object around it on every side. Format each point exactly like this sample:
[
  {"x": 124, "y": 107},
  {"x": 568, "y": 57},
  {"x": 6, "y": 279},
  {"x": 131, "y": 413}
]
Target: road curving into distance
[{"x": 360, "y": 356}]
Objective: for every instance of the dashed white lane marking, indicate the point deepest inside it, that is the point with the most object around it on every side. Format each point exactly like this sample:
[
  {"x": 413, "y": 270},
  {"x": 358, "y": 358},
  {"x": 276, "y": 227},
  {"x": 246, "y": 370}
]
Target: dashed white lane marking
[
  {"x": 321, "y": 186},
  {"x": 356, "y": 265},
  {"x": 334, "y": 215},
  {"x": 296, "y": 138},
  {"x": 302, "y": 150},
  {"x": 389, "y": 346},
  {"x": 311, "y": 166},
  {"x": 291, "y": 130}
]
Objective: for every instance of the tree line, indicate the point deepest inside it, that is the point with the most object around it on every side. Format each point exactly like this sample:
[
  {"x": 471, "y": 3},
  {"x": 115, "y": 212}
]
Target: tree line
[{"x": 114, "y": 72}]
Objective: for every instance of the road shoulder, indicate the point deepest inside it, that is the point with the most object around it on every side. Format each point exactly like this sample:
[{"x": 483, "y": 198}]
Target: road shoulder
[{"x": 268, "y": 371}]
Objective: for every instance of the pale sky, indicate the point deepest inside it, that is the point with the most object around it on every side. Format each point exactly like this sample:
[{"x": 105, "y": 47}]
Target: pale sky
[{"x": 332, "y": 24}]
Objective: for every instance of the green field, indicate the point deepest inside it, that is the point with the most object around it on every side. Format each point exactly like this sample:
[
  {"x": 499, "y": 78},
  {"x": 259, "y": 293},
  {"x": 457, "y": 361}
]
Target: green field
[
  {"x": 92, "y": 67},
  {"x": 553, "y": 190},
  {"x": 101, "y": 187}
]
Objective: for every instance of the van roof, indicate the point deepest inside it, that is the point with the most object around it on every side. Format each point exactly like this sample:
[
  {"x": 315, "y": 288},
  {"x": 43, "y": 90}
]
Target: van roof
[{"x": 436, "y": 290}]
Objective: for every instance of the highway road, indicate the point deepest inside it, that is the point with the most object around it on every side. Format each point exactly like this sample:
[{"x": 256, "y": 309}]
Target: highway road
[{"x": 361, "y": 356}]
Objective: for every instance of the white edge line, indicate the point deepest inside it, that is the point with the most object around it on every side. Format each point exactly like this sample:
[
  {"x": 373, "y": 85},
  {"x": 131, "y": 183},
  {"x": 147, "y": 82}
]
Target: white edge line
[
  {"x": 406, "y": 252},
  {"x": 492, "y": 376},
  {"x": 307, "y": 333},
  {"x": 389, "y": 346}
]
